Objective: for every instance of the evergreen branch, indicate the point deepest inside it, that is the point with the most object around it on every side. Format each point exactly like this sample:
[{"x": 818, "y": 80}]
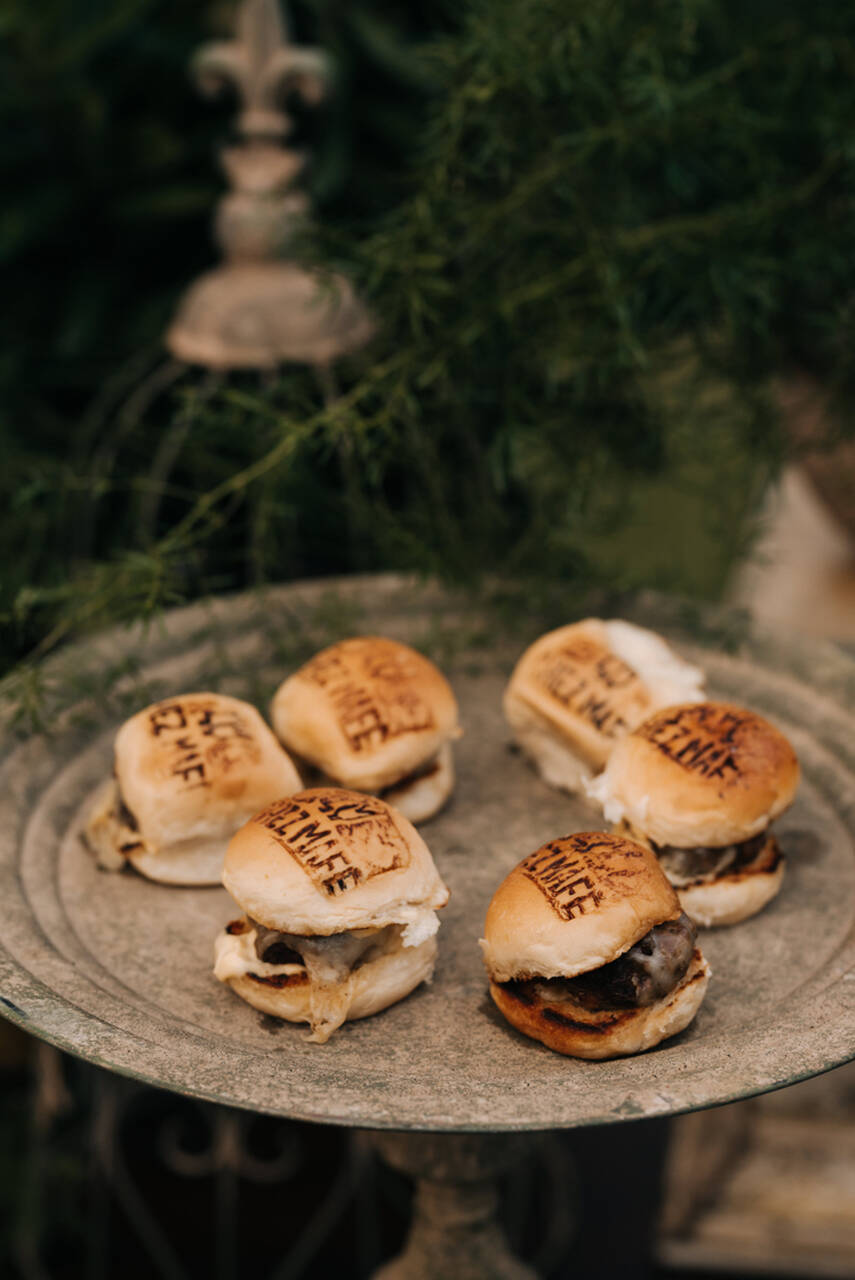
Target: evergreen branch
[
  {"x": 705, "y": 225},
  {"x": 293, "y": 433}
]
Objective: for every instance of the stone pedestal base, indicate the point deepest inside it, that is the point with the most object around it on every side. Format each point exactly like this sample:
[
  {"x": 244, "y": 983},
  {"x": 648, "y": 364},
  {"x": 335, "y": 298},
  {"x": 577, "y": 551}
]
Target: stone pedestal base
[{"x": 455, "y": 1230}]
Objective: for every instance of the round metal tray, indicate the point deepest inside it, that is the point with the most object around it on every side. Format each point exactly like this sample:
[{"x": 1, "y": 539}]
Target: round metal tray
[{"x": 118, "y": 970}]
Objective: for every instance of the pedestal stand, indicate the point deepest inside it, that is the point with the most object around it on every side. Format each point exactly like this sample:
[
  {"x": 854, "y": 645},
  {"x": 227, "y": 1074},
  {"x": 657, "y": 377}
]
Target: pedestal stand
[{"x": 455, "y": 1230}]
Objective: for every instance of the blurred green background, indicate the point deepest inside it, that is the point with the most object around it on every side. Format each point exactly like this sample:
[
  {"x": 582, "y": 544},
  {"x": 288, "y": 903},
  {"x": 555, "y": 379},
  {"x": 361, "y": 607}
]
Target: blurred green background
[{"x": 595, "y": 236}]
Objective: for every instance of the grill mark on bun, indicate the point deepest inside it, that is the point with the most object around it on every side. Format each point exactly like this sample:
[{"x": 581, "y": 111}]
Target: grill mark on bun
[
  {"x": 317, "y": 832},
  {"x": 525, "y": 995},
  {"x": 584, "y": 677},
  {"x": 701, "y": 738},
  {"x": 370, "y": 684},
  {"x": 600, "y": 1028},
  {"x": 596, "y": 1019},
  {"x": 200, "y": 740},
  {"x": 577, "y": 873},
  {"x": 280, "y": 980}
]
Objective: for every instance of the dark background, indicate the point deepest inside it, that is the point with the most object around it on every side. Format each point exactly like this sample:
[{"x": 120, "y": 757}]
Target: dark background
[{"x": 96, "y": 1193}]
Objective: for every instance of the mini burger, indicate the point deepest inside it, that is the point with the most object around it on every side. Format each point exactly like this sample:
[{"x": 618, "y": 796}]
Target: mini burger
[
  {"x": 340, "y": 894},
  {"x": 588, "y": 951},
  {"x": 577, "y": 690},
  {"x": 699, "y": 785},
  {"x": 373, "y": 715},
  {"x": 188, "y": 772}
]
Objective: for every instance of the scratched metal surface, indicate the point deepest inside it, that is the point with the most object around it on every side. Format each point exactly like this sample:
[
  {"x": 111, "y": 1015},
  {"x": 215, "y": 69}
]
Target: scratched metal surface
[{"x": 118, "y": 970}]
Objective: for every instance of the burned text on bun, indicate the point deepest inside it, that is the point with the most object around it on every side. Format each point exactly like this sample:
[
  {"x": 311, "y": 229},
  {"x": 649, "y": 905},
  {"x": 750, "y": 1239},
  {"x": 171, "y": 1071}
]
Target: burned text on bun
[
  {"x": 700, "y": 785},
  {"x": 578, "y": 689},
  {"x": 340, "y": 894},
  {"x": 588, "y": 951},
  {"x": 188, "y": 771},
  {"x": 373, "y": 715}
]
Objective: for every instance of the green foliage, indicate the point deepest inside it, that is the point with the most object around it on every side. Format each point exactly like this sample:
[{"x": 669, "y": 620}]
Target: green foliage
[
  {"x": 110, "y": 180},
  {"x": 620, "y": 221}
]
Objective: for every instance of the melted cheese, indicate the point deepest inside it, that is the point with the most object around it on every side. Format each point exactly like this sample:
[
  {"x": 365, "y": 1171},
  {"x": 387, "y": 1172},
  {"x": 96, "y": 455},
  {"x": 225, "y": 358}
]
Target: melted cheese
[
  {"x": 234, "y": 957},
  {"x": 331, "y": 986},
  {"x": 329, "y": 1005},
  {"x": 106, "y": 832},
  {"x": 420, "y": 923}
]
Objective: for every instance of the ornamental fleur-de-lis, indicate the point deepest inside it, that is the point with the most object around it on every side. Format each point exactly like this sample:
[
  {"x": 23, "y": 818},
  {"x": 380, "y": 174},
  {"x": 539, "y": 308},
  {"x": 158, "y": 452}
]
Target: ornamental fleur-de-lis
[
  {"x": 260, "y": 307},
  {"x": 264, "y": 67}
]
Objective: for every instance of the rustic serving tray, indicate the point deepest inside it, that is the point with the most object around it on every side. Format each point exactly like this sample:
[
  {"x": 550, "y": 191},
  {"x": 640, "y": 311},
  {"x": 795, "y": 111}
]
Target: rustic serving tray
[{"x": 117, "y": 970}]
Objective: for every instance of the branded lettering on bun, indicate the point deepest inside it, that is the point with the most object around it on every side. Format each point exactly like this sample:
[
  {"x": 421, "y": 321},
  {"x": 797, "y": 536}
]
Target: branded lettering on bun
[
  {"x": 588, "y": 951},
  {"x": 373, "y": 715},
  {"x": 577, "y": 690},
  {"x": 340, "y": 894},
  {"x": 700, "y": 785},
  {"x": 188, "y": 771}
]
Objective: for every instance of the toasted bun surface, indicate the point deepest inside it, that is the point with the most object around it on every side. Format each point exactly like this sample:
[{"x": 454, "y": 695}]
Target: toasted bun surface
[
  {"x": 198, "y": 764},
  {"x": 586, "y": 685},
  {"x": 736, "y": 895},
  {"x": 374, "y": 986},
  {"x": 612, "y": 1033},
  {"x": 188, "y": 771},
  {"x": 573, "y": 905},
  {"x": 706, "y": 773},
  {"x": 367, "y": 711},
  {"x": 327, "y": 860},
  {"x": 116, "y": 842}
]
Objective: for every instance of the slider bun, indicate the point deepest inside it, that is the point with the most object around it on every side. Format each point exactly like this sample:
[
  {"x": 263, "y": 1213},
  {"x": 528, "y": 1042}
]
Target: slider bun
[
  {"x": 198, "y": 765},
  {"x": 574, "y": 905},
  {"x": 196, "y": 862},
  {"x": 577, "y": 689},
  {"x": 736, "y": 895},
  {"x": 115, "y": 843},
  {"x": 367, "y": 711},
  {"x": 605, "y": 1033},
  {"x": 327, "y": 860},
  {"x": 376, "y": 985},
  {"x": 707, "y": 773},
  {"x": 425, "y": 795}
]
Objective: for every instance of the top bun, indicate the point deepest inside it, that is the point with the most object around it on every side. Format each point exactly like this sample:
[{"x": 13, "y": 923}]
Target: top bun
[
  {"x": 704, "y": 774},
  {"x": 574, "y": 905},
  {"x": 198, "y": 765},
  {"x": 327, "y": 860},
  {"x": 367, "y": 711},
  {"x": 593, "y": 681}
]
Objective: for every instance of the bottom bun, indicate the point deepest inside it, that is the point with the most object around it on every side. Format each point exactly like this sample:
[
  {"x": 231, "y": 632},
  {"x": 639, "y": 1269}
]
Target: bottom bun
[
  {"x": 424, "y": 795},
  {"x": 116, "y": 844},
  {"x": 193, "y": 862},
  {"x": 733, "y": 897},
  {"x": 603, "y": 1033},
  {"x": 376, "y": 985},
  {"x": 550, "y": 753}
]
